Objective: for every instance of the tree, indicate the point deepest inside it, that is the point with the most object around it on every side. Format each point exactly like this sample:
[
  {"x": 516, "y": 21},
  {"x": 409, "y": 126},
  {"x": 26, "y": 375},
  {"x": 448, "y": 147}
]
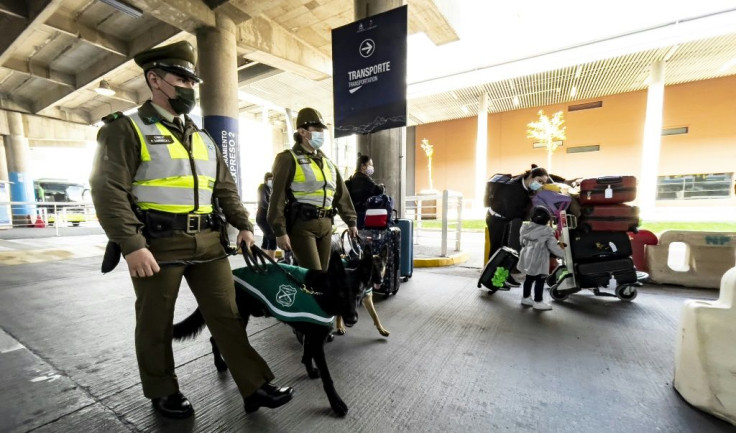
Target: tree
[
  {"x": 429, "y": 151},
  {"x": 548, "y": 131}
]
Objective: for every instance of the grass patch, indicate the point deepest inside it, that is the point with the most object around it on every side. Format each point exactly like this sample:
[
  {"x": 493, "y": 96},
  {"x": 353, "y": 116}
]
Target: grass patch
[{"x": 656, "y": 227}]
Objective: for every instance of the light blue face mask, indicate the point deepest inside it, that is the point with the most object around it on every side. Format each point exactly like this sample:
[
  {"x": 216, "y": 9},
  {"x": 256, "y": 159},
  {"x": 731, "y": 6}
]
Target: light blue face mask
[
  {"x": 535, "y": 185},
  {"x": 318, "y": 138}
]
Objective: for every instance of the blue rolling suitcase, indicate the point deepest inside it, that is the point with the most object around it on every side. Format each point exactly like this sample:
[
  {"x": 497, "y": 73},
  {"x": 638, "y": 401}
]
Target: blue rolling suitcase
[{"x": 407, "y": 248}]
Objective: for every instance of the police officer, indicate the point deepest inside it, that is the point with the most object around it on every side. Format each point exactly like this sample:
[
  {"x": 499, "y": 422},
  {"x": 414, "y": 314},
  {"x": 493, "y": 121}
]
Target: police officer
[
  {"x": 308, "y": 192},
  {"x": 154, "y": 180}
]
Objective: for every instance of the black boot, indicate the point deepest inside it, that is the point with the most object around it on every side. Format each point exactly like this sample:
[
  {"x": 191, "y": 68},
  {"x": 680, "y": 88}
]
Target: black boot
[
  {"x": 173, "y": 406},
  {"x": 268, "y": 396}
]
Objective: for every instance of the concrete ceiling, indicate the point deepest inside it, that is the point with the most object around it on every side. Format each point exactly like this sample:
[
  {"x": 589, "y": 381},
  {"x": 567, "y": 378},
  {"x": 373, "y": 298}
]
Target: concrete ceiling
[{"x": 54, "y": 53}]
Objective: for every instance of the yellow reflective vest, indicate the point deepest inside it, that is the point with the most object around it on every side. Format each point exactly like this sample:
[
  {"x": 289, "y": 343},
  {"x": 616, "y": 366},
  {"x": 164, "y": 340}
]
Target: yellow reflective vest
[
  {"x": 313, "y": 184},
  {"x": 171, "y": 178}
]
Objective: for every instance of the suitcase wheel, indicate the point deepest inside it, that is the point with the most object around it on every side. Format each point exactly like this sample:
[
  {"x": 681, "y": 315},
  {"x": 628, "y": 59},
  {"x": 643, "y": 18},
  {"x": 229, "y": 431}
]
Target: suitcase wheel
[
  {"x": 626, "y": 292},
  {"x": 556, "y": 295}
]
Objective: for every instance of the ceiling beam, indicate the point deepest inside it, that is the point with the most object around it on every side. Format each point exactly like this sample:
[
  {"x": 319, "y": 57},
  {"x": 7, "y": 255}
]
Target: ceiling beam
[
  {"x": 14, "y": 8},
  {"x": 8, "y": 102},
  {"x": 40, "y": 71},
  {"x": 188, "y": 15},
  {"x": 72, "y": 27},
  {"x": 96, "y": 114},
  {"x": 266, "y": 41},
  {"x": 91, "y": 76},
  {"x": 38, "y": 11},
  {"x": 424, "y": 16}
]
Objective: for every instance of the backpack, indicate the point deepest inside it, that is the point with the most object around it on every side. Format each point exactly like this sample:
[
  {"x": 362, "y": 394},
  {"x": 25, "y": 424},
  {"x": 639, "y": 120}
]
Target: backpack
[
  {"x": 494, "y": 183},
  {"x": 379, "y": 211}
]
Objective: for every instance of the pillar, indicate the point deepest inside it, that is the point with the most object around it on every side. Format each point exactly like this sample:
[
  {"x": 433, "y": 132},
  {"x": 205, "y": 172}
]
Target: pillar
[
  {"x": 387, "y": 147},
  {"x": 481, "y": 153},
  {"x": 218, "y": 99},
  {"x": 18, "y": 163},
  {"x": 652, "y": 142}
]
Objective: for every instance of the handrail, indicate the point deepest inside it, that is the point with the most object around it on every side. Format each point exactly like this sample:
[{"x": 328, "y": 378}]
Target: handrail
[{"x": 451, "y": 214}]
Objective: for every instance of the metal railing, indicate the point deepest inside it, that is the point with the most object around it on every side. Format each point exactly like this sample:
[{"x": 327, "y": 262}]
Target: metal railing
[
  {"x": 446, "y": 206},
  {"x": 45, "y": 214}
]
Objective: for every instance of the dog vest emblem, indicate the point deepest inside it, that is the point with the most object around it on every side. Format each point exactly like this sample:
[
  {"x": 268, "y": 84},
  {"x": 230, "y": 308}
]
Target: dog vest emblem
[
  {"x": 286, "y": 295},
  {"x": 278, "y": 293}
]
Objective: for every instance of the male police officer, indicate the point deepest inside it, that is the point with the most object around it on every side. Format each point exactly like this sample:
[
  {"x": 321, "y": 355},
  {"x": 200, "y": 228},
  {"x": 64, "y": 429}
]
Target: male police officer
[
  {"x": 153, "y": 184},
  {"x": 307, "y": 193}
]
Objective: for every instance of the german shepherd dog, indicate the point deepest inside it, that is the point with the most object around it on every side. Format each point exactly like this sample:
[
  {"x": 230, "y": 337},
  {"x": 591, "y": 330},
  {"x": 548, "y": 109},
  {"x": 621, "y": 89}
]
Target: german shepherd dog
[
  {"x": 332, "y": 291},
  {"x": 363, "y": 278}
]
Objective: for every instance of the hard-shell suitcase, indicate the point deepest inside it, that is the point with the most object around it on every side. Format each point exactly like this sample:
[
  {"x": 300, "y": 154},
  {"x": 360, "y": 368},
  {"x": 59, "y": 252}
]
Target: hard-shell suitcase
[
  {"x": 598, "y": 274},
  {"x": 609, "y": 218},
  {"x": 607, "y": 190},
  {"x": 407, "y": 247},
  {"x": 498, "y": 268},
  {"x": 598, "y": 246}
]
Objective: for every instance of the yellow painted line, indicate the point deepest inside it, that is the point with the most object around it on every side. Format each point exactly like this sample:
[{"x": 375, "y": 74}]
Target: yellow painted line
[
  {"x": 434, "y": 262},
  {"x": 20, "y": 257}
]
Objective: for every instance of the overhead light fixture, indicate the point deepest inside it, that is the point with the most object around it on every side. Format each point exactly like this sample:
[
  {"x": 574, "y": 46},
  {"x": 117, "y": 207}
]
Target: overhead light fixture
[
  {"x": 728, "y": 65},
  {"x": 124, "y": 8},
  {"x": 578, "y": 71},
  {"x": 516, "y": 100},
  {"x": 670, "y": 53},
  {"x": 573, "y": 91},
  {"x": 104, "y": 89}
]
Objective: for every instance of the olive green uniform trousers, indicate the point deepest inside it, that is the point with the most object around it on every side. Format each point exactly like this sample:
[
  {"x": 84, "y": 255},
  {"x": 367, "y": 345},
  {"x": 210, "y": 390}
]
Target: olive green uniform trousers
[
  {"x": 213, "y": 287},
  {"x": 311, "y": 241}
]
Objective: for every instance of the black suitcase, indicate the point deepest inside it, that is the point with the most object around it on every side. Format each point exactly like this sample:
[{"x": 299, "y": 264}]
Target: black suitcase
[
  {"x": 597, "y": 246},
  {"x": 498, "y": 268},
  {"x": 597, "y": 274},
  {"x": 390, "y": 240}
]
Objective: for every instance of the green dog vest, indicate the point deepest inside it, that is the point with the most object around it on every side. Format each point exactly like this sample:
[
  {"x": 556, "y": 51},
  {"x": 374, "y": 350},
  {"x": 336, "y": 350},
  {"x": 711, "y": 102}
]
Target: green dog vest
[{"x": 284, "y": 298}]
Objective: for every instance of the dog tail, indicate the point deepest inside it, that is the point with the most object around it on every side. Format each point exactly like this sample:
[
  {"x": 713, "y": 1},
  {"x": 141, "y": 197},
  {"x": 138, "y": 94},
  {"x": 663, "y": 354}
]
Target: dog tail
[{"x": 189, "y": 327}]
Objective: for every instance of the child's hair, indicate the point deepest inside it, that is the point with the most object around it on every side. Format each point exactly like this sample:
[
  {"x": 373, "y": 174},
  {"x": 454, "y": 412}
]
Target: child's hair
[{"x": 541, "y": 215}]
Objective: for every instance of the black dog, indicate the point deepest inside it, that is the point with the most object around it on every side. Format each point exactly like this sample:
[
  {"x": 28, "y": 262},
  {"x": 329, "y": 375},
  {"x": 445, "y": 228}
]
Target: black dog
[{"x": 332, "y": 293}]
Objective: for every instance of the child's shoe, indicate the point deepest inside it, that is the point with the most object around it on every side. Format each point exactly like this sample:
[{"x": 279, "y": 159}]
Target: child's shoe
[
  {"x": 527, "y": 302},
  {"x": 542, "y": 306}
]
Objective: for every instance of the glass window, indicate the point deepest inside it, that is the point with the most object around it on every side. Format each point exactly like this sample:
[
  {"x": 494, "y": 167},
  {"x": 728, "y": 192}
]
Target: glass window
[{"x": 695, "y": 186}]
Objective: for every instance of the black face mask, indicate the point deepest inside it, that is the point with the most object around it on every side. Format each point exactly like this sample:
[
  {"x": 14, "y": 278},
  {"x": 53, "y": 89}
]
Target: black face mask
[{"x": 184, "y": 99}]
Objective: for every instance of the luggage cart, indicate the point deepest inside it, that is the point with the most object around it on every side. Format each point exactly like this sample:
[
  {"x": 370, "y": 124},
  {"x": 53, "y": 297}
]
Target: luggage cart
[{"x": 566, "y": 280}]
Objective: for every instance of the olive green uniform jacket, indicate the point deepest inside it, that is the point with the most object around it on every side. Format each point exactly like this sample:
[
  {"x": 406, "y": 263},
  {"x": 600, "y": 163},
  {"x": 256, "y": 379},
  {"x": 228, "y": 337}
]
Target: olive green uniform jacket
[{"x": 115, "y": 166}]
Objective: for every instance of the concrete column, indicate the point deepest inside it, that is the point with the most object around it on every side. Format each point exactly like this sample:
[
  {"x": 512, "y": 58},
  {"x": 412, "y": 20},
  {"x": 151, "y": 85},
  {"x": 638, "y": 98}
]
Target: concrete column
[
  {"x": 218, "y": 93},
  {"x": 652, "y": 142},
  {"x": 385, "y": 147},
  {"x": 481, "y": 153},
  {"x": 4, "y": 176},
  {"x": 18, "y": 163}
]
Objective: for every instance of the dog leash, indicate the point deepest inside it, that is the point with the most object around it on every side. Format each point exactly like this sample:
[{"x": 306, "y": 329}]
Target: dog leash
[
  {"x": 254, "y": 255},
  {"x": 356, "y": 247}
]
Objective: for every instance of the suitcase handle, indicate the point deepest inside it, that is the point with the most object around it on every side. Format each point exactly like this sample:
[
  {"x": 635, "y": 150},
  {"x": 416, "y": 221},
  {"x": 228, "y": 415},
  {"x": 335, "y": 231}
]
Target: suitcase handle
[{"x": 607, "y": 180}]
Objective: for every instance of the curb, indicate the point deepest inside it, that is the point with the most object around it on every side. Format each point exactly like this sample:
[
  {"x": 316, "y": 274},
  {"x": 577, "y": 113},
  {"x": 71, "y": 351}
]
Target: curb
[{"x": 434, "y": 262}]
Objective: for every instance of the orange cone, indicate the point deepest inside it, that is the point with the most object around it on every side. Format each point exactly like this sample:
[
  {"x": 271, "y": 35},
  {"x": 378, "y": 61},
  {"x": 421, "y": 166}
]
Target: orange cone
[{"x": 39, "y": 224}]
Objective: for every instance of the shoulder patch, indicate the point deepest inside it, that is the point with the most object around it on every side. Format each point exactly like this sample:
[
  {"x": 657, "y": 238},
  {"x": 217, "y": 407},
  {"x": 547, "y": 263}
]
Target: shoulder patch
[{"x": 113, "y": 116}]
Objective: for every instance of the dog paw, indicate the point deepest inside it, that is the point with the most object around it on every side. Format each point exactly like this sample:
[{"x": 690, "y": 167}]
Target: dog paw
[
  {"x": 339, "y": 406},
  {"x": 221, "y": 367},
  {"x": 340, "y": 331},
  {"x": 330, "y": 337},
  {"x": 384, "y": 332},
  {"x": 313, "y": 373}
]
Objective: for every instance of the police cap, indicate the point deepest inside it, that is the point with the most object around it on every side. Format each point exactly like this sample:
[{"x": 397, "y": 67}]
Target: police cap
[
  {"x": 309, "y": 117},
  {"x": 178, "y": 58}
]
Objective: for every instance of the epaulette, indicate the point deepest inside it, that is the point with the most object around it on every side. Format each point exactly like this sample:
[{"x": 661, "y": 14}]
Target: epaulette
[{"x": 114, "y": 116}]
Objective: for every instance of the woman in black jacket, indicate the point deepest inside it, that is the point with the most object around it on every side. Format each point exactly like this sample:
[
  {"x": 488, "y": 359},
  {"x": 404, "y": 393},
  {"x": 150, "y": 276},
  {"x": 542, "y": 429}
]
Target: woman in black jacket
[
  {"x": 511, "y": 204},
  {"x": 361, "y": 186},
  {"x": 264, "y": 197}
]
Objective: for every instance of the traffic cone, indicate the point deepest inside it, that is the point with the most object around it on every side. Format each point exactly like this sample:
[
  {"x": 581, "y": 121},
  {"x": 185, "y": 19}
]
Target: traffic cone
[{"x": 39, "y": 224}]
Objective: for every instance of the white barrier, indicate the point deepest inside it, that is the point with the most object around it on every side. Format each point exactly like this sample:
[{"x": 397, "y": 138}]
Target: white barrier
[
  {"x": 707, "y": 257},
  {"x": 705, "y": 356}
]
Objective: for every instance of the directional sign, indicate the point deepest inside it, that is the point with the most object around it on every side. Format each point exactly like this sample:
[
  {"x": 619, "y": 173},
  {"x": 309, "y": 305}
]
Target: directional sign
[{"x": 369, "y": 73}]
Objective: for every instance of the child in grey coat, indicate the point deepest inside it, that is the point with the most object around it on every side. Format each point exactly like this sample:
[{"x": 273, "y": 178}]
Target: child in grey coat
[{"x": 537, "y": 242}]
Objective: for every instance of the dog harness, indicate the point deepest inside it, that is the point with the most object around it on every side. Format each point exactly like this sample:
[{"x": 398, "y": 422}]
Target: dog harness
[{"x": 285, "y": 300}]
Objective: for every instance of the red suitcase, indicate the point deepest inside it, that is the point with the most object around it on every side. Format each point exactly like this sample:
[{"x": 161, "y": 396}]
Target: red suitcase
[
  {"x": 607, "y": 190},
  {"x": 609, "y": 218}
]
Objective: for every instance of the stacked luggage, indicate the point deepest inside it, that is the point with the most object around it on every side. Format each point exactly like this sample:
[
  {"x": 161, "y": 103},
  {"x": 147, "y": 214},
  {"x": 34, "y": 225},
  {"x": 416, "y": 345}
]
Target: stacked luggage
[{"x": 600, "y": 245}]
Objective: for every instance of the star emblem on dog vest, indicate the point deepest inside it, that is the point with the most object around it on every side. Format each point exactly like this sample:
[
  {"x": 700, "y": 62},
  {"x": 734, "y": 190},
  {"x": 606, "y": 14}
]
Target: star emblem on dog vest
[{"x": 286, "y": 295}]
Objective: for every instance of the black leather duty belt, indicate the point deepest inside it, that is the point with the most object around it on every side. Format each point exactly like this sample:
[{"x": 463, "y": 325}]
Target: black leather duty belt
[
  {"x": 310, "y": 212},
  {"x": 190, "y": 223}
]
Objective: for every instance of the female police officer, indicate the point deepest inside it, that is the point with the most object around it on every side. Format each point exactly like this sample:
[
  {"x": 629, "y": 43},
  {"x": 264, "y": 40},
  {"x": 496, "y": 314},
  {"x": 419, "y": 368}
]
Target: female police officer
[
  {"x": 307, "y": 193},
  {"x": 153, "y": 183}
]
